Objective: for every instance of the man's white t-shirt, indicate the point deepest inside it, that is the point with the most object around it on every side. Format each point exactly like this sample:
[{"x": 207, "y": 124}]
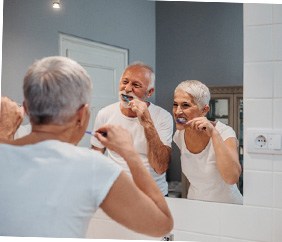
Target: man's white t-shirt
[
  {"x": 52, "y": 188},
  {"x": 205, "y": 180},
  {"x": 163, "y": 123}
]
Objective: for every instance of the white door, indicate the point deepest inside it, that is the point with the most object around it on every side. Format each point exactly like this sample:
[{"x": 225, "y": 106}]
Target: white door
[{"x": 104, "y": 64}]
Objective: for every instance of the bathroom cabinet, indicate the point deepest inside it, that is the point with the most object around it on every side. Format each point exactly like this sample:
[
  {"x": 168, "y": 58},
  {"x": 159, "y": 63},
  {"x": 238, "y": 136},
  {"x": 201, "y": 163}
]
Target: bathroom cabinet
[{"x": 226, "y": 105}]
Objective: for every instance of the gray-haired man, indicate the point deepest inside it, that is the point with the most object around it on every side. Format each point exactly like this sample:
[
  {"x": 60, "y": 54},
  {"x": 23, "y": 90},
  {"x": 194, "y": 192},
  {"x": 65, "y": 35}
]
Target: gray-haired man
[{"x": 150, "y": 126}]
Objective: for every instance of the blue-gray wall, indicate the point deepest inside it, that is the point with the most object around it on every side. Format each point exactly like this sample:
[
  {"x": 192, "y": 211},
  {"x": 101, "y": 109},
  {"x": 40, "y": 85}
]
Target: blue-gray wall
[
  {"x": 31, "y": 31},
  {"x": 195, "y": 40}
]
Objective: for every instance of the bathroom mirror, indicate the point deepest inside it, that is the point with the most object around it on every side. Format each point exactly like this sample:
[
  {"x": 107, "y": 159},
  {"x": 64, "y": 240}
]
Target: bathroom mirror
[{"x": 181, "y": 40}]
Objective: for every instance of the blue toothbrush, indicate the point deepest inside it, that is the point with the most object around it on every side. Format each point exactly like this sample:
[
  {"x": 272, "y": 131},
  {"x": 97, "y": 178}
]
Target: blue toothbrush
[
  {"x": 125, "y": 98},
  {"x": 89, "y": 132}
]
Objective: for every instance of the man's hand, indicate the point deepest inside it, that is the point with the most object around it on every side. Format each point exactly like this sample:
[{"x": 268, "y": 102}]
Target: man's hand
[
  {"x": 158, "y": 153},
  {"x": 11, "y": 116},
  {"x": 142, "y": 112}
]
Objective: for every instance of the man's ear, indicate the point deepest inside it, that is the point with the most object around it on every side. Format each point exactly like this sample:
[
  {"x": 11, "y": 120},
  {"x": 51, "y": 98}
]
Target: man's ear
[
  {"x": 83, "y": 115},
  {"x": 150, "y": 92}
]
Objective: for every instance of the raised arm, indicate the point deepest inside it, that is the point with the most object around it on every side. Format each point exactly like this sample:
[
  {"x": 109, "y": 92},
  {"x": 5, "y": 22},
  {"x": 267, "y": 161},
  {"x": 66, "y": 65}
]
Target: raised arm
[
  {"x": 159, "y": 154},
  {"x": 227, "y": 157},
  {"x": 138, "y": 204},
  {"x": 11, "y": 116}
]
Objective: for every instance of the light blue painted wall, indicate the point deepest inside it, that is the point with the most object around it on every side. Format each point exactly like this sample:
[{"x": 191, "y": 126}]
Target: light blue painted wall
[{"x": 31, "y": 29}]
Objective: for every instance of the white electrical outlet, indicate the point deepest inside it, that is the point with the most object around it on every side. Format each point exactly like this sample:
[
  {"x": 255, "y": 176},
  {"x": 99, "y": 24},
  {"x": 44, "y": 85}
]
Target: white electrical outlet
[
  {"x": 260, "y": 142},
  {"x": 265, "y": 141}
]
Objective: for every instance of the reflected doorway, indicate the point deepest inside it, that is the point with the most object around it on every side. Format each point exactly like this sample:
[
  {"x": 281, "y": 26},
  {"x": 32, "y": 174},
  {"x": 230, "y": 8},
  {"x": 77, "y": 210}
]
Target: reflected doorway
[{"x": 104, "y": 63}]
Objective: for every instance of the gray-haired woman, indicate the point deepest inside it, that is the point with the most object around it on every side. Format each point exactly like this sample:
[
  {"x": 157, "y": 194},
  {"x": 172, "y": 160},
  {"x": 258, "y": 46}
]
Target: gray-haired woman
[{"x": 209, "y": 156}]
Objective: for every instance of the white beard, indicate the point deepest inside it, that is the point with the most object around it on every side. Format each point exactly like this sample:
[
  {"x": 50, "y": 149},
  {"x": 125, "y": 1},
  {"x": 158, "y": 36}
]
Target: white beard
[{"x": 124, "y": 104}]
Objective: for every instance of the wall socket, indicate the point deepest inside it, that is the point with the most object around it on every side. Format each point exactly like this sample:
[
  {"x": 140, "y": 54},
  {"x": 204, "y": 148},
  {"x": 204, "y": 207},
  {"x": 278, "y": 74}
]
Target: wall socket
[
  {"x": 260, "y": 141},
  {"x": 168, "y": 237},
  {"x": 264, "y": 141}
]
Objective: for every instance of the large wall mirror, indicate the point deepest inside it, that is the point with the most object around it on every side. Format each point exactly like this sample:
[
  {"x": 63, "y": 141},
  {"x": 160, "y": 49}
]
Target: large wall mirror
[{"x": 181, "y": 40}]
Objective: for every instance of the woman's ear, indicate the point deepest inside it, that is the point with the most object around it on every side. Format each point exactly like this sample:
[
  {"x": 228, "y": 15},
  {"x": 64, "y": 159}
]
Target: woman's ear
[{"x": 206, "y": 109}]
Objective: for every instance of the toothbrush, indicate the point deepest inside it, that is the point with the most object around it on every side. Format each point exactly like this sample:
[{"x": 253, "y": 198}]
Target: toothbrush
[
  {"x": 125, "y": 98},
  {"x": 181, "y": 120},
  {"x": 89, "y": 132},
  {"x": 185, "y": 121}
]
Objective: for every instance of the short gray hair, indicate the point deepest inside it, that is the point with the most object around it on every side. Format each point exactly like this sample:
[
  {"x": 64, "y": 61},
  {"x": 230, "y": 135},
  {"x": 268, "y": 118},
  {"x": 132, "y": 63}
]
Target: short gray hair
[
  {"x": 199, "y": 91},
  {"x": 54, "y": 89},
  {"x": 147, "y": 67}
]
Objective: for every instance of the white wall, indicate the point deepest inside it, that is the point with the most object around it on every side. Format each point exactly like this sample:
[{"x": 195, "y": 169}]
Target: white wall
[{"x": 260, "y": 218}]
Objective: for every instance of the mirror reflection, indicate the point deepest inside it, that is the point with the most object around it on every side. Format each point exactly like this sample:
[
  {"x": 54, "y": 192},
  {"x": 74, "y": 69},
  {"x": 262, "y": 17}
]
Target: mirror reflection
[
  {"x": 206, "y": 45},
  {"x": 209, "y": 155},
  {"x": 219, "y": 110},
  {"x": 180, "y": 40}
]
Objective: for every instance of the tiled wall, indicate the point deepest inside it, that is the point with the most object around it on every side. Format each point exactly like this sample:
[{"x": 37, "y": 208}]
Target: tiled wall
[
  {"x": 262, "y": 103},
  {"x": 260, "y": 218}
]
